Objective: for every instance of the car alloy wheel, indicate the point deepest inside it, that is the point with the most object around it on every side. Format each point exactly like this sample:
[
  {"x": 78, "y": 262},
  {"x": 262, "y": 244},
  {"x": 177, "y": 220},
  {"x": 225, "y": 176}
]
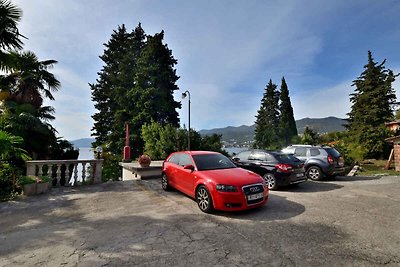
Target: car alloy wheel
[
  {"x": 270, "y": 180},
  {"x": 164, "y": 182},
  {"x": 314, "y": 173},
  {"x": 204, "y": 200}
]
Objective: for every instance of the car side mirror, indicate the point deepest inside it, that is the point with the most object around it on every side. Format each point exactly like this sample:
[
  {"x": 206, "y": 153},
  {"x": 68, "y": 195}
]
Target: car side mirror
[
  {"x": 189, "y": 167},
  {"x": 235, "y": 159}
]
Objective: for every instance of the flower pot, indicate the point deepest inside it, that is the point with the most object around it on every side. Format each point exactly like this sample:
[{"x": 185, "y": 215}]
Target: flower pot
[
  {"x": 42, "y": 188},
  {"x": 144, "y": 164},
  {"x": 29, "y": 189}
]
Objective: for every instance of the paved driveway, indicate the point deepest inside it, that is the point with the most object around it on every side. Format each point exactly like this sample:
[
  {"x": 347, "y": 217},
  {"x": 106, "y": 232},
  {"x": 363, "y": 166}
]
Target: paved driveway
[{"x": 346, "y": 222}]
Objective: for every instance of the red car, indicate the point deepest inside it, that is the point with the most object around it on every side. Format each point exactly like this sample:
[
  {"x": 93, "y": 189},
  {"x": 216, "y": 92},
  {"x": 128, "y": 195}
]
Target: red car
[{"x": 214, "y": 181}]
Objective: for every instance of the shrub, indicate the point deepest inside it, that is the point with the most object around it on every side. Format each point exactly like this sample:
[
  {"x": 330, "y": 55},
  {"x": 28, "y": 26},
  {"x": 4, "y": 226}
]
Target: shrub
[
  {"x": 9, "y": 179},
  {"x": 111, "y": 169}
]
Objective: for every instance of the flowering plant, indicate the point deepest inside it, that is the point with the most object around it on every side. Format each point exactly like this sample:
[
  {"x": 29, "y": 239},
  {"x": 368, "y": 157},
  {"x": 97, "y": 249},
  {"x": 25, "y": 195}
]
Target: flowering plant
[
  {"x": 34, "y": 179},
  {"x": 144, "y": 160}
]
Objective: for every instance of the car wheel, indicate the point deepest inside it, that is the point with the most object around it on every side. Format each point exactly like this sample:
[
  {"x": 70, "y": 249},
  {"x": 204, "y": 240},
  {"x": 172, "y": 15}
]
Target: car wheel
[
  {"x": 270, "y": 180},
  {"x": 164, "y": 182},
  {"x": 314, "y": 173},
  {"x": 204, "y": 200}
]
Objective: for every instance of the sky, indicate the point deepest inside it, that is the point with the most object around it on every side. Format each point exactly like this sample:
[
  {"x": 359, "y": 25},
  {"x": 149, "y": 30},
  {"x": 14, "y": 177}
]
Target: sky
[{"x": 227, "y": 52}]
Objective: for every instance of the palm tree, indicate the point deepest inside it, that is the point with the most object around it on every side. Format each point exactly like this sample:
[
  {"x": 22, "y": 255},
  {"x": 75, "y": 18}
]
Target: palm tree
[
  {"x": 10, "y": 15},
  {"x": 29, "y": 80},
  {"x": 9, "y": 147}
]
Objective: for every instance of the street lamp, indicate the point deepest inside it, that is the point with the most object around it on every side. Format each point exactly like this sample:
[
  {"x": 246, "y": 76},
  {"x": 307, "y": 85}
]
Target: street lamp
[
  {"x": 99, "y": 149},
  {"x": 184, "y": 94}
]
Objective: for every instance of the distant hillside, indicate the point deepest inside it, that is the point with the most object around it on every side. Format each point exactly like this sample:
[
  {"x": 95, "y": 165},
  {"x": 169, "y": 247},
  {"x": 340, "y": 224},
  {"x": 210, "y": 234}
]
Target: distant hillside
[
  {"x": 239, "y": 134},
  {"x": 246, "y": 133},
  {"x": 83, "y": 142},
  {"x": 322, "y": 126}
]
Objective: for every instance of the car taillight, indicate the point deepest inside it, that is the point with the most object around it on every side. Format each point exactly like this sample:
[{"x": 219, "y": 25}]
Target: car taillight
[
  {"x": 330, "y": 159},
  {"x": 284, "y": 167}
]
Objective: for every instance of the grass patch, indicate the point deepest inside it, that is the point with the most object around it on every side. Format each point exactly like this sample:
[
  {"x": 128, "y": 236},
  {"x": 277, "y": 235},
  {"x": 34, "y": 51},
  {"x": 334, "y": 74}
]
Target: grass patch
[{"x": 375, "y": 168}]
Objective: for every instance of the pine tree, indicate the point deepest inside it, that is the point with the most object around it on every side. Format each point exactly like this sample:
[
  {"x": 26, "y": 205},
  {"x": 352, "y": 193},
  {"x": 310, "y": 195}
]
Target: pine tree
[
  {"x": 287, "y": 124},
  {"x": 372, "y": 104},
  {"x": 267, "y": 130},
  {"x": 105, "y": 90},
  {"x": 135, "y": 86}
]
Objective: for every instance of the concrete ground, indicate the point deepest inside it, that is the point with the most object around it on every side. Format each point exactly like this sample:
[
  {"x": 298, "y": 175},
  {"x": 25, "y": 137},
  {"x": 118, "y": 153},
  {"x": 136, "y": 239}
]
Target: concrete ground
[{"x": 351, "y": 221}]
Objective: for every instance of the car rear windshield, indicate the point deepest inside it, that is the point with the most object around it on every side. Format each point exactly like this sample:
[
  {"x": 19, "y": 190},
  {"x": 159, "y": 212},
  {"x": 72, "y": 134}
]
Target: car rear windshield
[
  {"x": 212, "y": 162},
  {"x": 285, "y": 158},
  {"x": 333, "y": 152}
]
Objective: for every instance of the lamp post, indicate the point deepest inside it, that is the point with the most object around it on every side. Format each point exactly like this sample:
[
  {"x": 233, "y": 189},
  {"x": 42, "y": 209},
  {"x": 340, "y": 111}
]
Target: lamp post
[
  {"x": 99, "y": 149},
  {"x": 184, "y": 94}
]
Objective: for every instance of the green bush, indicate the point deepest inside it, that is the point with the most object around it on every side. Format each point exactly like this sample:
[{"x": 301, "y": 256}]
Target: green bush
[
  {"x": 111, "y": 169},
  {"x": 9, "y": 179},
  {"x": 24, "y": 180}
]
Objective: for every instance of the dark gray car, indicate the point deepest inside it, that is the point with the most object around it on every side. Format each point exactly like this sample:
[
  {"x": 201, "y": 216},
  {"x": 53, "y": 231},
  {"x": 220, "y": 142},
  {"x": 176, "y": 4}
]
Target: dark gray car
[{"x": 319, "y": 161}]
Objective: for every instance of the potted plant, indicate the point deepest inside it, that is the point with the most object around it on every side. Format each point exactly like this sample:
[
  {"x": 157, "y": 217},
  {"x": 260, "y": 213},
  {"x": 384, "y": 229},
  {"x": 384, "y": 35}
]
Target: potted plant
[
  {"x": 144, "y": 160},
  {"x": 32, "y": 185},
  {"x": 28, "y": 184},
  {"x": 42, "y": 184}
]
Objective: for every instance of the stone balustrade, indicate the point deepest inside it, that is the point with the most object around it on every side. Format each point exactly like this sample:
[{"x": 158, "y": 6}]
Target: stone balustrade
[{"x": 61, "y": 169}]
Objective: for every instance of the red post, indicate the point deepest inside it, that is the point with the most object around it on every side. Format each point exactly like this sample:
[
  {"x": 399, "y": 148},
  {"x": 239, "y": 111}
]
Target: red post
[{"x": 127, "y": 149}]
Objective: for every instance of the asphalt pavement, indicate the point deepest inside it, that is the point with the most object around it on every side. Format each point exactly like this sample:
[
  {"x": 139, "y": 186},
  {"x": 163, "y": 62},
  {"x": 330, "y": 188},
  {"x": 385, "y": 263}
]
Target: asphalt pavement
[{"x": 350, "y": 221}]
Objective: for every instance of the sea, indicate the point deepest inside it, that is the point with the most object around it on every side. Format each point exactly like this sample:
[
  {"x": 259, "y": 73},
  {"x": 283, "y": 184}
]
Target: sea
[{"x": 87, "y": 152}]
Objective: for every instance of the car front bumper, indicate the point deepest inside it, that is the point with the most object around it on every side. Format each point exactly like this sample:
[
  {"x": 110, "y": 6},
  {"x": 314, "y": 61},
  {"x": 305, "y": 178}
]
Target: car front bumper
[{"x": 236, "y": 201}]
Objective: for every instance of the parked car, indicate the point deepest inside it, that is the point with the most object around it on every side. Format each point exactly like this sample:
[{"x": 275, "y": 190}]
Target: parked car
[
  {"x": 319, "y": 161},
  {"x": 214, "y": 181},
  {"x": 276, "y": 168}
]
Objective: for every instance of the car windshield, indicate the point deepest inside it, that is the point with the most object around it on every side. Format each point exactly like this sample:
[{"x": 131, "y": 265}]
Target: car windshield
[{"x": 212, "y": 162}]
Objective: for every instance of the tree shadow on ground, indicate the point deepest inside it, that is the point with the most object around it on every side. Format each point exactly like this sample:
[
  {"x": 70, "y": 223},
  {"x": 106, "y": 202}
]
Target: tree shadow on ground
[
  {"x": 354, "y": 178},
  {"x": 310, "y": 187}
]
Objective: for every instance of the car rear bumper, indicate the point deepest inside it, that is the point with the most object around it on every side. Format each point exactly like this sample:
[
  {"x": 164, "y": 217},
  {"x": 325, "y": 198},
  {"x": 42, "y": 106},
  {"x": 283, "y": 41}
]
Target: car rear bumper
[
  {"x": 334, "y": 171},
  {"x": 293, "y": 178}
]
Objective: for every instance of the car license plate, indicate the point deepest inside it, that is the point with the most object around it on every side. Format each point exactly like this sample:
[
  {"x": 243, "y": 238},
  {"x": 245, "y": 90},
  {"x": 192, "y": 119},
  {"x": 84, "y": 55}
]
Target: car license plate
[
  {"x": 300, "y": 175},
  {"x": 255, "y": 196}
]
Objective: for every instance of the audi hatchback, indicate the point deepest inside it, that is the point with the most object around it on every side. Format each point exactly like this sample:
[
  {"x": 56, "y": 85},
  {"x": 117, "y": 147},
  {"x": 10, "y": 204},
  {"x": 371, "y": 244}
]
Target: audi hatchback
[{"x": 213, "y": 181}]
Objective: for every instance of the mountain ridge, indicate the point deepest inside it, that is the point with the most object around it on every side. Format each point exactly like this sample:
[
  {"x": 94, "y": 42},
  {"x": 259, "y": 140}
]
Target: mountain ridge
[{"x": 244, "y": 134}]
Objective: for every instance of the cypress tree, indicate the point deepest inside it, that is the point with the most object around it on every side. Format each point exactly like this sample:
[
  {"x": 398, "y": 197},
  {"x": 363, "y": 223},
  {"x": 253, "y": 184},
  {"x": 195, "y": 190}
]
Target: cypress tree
[
  {"x": 287, "y": 124},
  {"x": 267, "y": 130},
  {"x": 372, "y": 106}
]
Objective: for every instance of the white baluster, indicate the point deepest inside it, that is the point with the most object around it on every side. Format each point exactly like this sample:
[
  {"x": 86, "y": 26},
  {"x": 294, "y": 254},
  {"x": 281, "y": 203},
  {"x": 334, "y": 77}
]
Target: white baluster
[
  {"x": 92, "y": 171},
  {"x": 40, "y": 172},
  {"x": 75, "y": 173},
  {"x": 83, "y": 171},
  {"x": 66, "y": 174},
  {"x": 58, "y": 171}
]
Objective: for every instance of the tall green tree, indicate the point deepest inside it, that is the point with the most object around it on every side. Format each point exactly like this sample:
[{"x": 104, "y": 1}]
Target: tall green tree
[
  {"x": 110, "y": 87},
  {"x": 267, "y": 129},
  {"x": 287, "y": 123},
  {"x": 372, "y": 106},
  {"x": 310, "y": 137},
  {"x": 135, "y": 86}
]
